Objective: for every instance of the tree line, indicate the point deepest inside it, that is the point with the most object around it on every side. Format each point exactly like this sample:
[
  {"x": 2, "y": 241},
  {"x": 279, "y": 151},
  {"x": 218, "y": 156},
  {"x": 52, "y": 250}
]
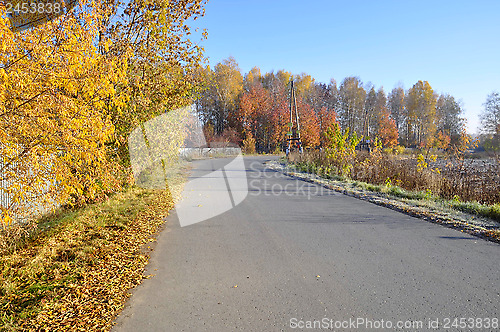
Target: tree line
[{"x": 253, "y": 109}]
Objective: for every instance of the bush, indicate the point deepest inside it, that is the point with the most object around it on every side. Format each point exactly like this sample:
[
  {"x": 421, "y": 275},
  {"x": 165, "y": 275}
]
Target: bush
[
  {"x": 249, "y": 145},
  {"x": 341, "y": 150},
  {"x": 399, "y": 149}
]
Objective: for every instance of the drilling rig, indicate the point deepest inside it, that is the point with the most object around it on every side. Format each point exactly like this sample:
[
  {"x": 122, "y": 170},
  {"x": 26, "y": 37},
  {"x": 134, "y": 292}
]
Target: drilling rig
[{"x": 293, "y": 134}]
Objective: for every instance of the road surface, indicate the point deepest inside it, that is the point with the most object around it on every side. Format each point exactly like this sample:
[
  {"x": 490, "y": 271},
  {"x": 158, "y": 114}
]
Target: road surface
[{"x": 294, "y": 255}]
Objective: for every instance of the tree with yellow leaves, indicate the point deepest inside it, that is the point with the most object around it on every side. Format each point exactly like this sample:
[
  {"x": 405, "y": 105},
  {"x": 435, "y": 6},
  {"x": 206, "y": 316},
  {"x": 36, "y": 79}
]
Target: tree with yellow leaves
[
  {"x": 72, "y": 89},
  {"x": 421, "y": 113},
  {"x": 162, "y": 60},
  {"x": 53, "y": 127}
]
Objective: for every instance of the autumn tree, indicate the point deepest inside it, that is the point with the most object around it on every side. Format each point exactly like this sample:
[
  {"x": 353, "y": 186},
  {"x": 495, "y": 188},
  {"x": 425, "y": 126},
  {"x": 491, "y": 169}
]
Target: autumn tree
[
  {"x": 277, "y": 83},
  {"x": 327, "y": 119},
  {"x": 420, "y": 113},
  {"x": 490, "y": 122},
  {"x": 224, "y": 86},
  {"x": 54, "y": 127},
  {"x": 370, "y": 113},
  {"x": 304, "y": 85},
  {"x": 396, "y": 104},
  {"x": 280, "y": 107},
  {"x": 351, "y": 104},
  {"x": 254, "y": 117},
  {"x": 154, "y": 39},
  {"x": 228, "y": 86},
  {"x": 71, "y": 90},
  {"x": 262, "y": 119},
  {"x": 309, "y": 125},
  {"x": 448, "y": 118},
  {"x": 387, "y": 130},
  {"x": 252, "y": 78}
]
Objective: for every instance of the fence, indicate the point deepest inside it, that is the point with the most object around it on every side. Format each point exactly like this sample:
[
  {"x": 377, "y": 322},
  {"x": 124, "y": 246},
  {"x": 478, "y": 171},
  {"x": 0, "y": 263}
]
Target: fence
[{"x": 21, "y": 210}]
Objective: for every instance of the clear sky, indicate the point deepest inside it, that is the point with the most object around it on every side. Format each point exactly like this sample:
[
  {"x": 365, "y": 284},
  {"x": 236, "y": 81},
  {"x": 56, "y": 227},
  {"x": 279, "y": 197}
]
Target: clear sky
[{"x": 454, "y": 45}]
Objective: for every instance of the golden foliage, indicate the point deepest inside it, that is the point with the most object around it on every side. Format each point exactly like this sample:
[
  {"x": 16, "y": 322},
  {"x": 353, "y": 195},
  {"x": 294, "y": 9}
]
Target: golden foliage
[
  {"x": 341, "y": 150},
  {"x": 53, "y": 127},
  {"x": 72, "y": 90}
]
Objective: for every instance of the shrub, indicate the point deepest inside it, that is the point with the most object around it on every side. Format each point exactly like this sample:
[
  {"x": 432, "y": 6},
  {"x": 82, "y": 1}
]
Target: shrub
[{"x": 341, "y": 149}]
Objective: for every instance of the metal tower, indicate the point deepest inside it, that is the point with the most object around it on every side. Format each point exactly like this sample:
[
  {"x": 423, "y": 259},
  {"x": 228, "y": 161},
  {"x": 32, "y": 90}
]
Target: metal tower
[{"x": 293, "y": 134}]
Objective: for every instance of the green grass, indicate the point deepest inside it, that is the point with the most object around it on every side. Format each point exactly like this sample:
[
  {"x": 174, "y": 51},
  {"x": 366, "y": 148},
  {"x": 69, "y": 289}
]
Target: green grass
[{"x": 490, "y": 211}]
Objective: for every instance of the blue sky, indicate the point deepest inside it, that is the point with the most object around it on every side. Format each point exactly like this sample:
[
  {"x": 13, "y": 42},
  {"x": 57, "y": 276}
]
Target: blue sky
[{"x": 454, "y": 45}]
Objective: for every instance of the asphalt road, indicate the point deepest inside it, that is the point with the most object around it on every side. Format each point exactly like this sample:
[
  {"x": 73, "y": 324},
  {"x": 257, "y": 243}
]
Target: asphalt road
[{"x": 291, "y": 253}]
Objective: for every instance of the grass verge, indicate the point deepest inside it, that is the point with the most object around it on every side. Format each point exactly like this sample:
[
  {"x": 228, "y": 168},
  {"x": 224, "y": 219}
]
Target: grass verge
[
  {"x": 75, "y": 273},
  {"x": 469, "y": 217}
]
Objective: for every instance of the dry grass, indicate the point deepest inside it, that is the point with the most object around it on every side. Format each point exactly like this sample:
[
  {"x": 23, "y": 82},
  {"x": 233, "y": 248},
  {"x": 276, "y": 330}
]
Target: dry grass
[
  {"x": 15, "y": 236},
  {"x": 472, "y": 185}
]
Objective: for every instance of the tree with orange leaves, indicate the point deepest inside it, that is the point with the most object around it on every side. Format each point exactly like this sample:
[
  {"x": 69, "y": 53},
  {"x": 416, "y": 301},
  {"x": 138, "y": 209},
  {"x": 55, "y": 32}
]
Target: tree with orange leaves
[
  {"x": 387, "y": 130},
  {"x": 326, "y": 119},
  {"x": 309, "y": 125}
]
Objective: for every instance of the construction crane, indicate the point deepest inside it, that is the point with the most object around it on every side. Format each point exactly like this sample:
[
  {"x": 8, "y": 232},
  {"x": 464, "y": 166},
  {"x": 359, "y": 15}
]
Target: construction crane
[{"x": 293, "y": 134}]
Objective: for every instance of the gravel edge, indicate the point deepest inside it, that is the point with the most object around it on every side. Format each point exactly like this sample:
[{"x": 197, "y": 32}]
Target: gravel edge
[{"x": 480, "y": 227}]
